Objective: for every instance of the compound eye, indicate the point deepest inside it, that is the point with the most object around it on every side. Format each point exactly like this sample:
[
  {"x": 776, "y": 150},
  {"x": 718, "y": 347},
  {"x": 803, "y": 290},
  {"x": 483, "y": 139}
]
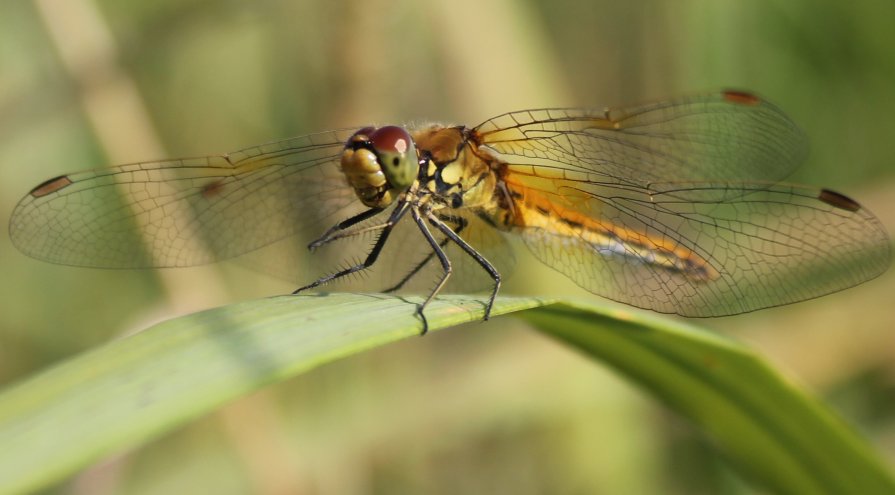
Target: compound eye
[
  {"x": 397, "y": 155},
  {"x": 390, "y": 138},
  {"x": 360, "y": 138}
]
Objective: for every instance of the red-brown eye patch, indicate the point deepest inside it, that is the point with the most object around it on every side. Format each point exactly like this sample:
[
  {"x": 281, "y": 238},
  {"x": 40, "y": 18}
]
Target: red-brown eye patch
[{"x": 391, "y": 139}]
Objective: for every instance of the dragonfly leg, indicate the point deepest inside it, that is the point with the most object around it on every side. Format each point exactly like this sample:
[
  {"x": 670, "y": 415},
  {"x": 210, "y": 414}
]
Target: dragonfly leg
[
  {"x": 460, "y": 223},
  {"x": 371, "y": 257},
  {"x": 443, "y": 227},
  {"x": 445, "y": 264},
  {"x": 337, "y": 231}
]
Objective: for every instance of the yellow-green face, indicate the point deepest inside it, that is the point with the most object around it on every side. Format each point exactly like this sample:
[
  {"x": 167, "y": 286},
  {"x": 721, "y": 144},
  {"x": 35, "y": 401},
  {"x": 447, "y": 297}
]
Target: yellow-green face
[{"x": 379, "y": 164}]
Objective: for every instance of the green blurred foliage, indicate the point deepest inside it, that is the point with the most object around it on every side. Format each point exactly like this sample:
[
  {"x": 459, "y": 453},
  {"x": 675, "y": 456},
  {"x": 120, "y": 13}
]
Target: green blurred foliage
[{"x": 469, "y": 411}]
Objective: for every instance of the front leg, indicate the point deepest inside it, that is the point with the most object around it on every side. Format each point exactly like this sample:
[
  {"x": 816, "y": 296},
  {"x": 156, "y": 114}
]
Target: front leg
[
  {"x": 387, "y": 227},
  {"x": 337, "y": 230}
]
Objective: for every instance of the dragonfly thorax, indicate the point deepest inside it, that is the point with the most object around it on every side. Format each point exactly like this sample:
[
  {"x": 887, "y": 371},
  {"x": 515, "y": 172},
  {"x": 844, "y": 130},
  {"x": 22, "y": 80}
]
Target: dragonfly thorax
[{"x": 379, "y": 164}]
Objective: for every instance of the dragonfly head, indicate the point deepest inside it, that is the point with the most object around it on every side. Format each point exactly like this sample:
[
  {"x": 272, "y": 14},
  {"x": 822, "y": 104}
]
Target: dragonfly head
[{"x": 380, "y": 163}]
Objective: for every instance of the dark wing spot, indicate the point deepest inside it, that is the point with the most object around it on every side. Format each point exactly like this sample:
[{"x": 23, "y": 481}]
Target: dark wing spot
[
  {"x": 212, "y": 189},
  {"x": 741, "y": 97},
  {"x": 840, "y": 201},
  {"x": 51, "y": 186}
]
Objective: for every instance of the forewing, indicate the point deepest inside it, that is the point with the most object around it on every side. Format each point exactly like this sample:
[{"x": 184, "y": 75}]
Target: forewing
[
  {"x": 189, "y": 211},
  {"x": 724, "y": 136}
]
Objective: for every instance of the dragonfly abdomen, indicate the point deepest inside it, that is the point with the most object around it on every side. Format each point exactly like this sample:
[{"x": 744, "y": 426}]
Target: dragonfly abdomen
[{"x": 604, "y": 238}]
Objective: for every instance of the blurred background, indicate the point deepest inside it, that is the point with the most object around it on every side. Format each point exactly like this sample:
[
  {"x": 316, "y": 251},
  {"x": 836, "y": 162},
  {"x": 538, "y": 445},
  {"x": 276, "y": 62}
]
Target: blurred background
[{"x": 487, "y": 408}]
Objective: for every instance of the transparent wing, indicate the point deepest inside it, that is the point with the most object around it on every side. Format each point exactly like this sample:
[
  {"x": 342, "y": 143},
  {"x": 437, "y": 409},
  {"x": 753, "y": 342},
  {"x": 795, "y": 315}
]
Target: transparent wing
[
  {"x": 725, "y": 136},
  {"x": 749, "y": 246},
  {"x": 656, "y": 205},
  {"x": 190, "y": 211}
]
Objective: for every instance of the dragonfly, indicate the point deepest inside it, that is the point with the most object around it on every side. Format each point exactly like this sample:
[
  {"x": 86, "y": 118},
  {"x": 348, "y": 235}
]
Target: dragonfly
[{"x": 676, "y": 206}]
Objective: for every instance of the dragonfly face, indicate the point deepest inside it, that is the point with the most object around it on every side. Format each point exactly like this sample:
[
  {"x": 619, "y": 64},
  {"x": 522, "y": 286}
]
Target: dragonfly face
[
  {"x": 674, "y": 206},
  {"x": 379, "y": 164}
]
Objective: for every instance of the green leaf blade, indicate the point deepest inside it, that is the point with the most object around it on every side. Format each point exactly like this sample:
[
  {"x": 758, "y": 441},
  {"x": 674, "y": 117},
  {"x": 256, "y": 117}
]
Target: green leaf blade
[
  {"x": 134, "y": 389},
  {"x": 762, "y": 423}
]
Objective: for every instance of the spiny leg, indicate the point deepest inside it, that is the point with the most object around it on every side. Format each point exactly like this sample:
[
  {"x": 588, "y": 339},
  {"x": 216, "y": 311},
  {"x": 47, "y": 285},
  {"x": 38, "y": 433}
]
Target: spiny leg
[
  {"x": 444, "y": 228},
  {"x": 337, "y": 230},
  {"x": 371, "y": 257},
  {"x": 460, "y": 222},
  {"x": 442, "y": 257}
]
